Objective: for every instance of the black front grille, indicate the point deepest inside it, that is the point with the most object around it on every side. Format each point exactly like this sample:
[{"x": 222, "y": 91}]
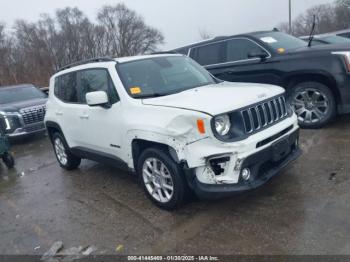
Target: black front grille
[
  {"x": 33, "y": 115},
  {"x": 264, "y": 114},
  {"x": 34, "y": 128}
]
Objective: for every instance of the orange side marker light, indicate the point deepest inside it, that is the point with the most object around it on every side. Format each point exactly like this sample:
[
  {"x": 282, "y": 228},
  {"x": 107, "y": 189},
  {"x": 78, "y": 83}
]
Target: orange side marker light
[{"x": 200, "y": 126}]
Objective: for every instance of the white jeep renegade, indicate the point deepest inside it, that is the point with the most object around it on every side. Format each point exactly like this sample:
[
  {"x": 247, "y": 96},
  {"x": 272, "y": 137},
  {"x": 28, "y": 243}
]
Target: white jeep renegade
[{"x": 168, "y": 119}]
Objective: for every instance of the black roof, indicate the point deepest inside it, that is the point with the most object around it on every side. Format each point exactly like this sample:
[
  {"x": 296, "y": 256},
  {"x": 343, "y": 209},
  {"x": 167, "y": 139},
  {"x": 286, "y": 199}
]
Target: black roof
[
  {"x": 88, "y": 61},
  {"x": 218, "y": 38}
]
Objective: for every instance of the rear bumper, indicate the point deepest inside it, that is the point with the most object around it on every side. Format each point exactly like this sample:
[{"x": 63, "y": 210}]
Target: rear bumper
[{"x": 262, "y": 167}]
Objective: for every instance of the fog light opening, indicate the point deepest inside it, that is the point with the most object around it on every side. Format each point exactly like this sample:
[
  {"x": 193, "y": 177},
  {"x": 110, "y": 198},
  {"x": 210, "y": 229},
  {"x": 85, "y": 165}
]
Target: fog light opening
[
  {"x": 218, "y": 165},
  {"x": 246, "y": 174}
]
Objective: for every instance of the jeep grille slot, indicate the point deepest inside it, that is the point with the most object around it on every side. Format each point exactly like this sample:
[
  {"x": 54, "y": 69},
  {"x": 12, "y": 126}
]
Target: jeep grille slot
[
  {"x": 264, "y": 114},
  {"x": 32, "y": 115}
]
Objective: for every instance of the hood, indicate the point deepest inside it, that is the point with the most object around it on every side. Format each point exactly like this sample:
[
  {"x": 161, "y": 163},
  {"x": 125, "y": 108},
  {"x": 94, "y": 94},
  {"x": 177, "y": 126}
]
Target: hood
[
  {"x": 217, "y": 98},
  {"x": 321, "y": 48},
  {"x": 16, "y": 106}
]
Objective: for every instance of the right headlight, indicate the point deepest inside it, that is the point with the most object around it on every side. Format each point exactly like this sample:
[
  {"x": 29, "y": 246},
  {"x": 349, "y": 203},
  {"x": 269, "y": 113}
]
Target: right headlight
[
  {"x": 228, "y": 127},
  {"x": 222, "y": 124}
]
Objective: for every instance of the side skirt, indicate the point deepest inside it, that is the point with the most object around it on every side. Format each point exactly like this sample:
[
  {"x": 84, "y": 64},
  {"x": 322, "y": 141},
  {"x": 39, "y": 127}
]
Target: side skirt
[{"x": 100, "y": 157}]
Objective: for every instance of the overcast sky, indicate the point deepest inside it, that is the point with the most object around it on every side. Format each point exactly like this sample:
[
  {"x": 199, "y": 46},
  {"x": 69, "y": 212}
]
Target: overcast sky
[{"x": 179, "y": 20}]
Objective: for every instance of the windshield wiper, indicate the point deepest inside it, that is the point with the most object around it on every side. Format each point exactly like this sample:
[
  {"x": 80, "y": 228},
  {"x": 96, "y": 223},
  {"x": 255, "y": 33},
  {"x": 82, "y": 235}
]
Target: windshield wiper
[
  {"x": 152, "y": 95},
  {"x": 312, "y": 33},
  {"x": 174, "y": 92}
]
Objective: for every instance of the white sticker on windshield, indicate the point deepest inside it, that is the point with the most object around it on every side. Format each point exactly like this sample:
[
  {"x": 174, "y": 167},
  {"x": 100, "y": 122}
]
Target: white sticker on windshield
[{"x": 268, "y": 39}]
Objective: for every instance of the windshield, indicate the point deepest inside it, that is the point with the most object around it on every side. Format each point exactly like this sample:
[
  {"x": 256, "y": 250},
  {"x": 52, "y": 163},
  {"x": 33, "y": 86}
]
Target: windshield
[
  {"x": 18, "y": 94},
  {"x": 281, "y": 42},
  {"x": 160, "y": 76},
  {"x": 334, "y": 39}
]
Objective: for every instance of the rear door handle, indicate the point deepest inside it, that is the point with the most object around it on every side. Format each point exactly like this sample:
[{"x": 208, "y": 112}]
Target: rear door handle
[{"x": 84, "y": 116}]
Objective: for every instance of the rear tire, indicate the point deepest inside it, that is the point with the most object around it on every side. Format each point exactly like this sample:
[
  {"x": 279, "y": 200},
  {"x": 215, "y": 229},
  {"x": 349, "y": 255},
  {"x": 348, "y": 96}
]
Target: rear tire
[
  {"x": 314, "y": 104},
  {"x": 64, "y": 157},
  {"x": 8, "y": 160},
  {"x": 160, "y": 174}
]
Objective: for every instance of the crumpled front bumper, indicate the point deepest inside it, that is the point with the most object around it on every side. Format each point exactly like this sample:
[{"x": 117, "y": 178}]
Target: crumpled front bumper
[{"x": 262, "y": 165}]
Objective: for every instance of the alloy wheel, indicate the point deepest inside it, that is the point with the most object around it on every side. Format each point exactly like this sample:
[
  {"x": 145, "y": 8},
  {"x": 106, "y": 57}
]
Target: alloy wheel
[
  {"x": 158, "y": 180},
  {"x": 310, "y": 105},
  {"x": 60, "y": 151}
]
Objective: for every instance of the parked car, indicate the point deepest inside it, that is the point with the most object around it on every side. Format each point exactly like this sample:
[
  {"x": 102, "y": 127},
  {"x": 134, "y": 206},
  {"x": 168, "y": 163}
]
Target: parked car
[
  {"x": 23, "y": 109},
  {"x": 327, "y": 39},
  {"x": 317, "y": 78},
  {"x": 168, "y": 119}
]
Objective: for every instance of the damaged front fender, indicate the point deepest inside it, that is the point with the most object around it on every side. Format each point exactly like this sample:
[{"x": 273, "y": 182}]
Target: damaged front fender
[{"x": 177, "y": 133}]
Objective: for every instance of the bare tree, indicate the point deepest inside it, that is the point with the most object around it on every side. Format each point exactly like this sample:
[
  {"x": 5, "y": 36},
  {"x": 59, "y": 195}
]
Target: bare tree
[
  {"x": 329, "y": 17},
  {"x": 3, "y": 54},
  {"x": 204, "y": 34},
  {"x": 125, "y": 32},
  {"x": 7, "y": 58},
  {"x": 74, "y": 34},
  {"x": 33, "y": 51},
  {"x": 342, "y": 13}
]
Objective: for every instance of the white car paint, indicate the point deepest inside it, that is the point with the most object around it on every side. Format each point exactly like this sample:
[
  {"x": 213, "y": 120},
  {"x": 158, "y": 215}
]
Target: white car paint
[
  {"x": 219, "y": 98},
  {"x": 169, "y": 120}
]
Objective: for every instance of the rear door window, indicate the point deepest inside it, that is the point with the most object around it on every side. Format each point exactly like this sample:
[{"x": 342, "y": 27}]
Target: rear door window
[
  {"x": 66, "y": 88},
  {"x": 209, "y": 54}
]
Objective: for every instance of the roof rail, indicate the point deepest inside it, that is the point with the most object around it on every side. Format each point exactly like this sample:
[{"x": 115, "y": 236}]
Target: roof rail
[
  {"x": 218, "y": 37},
  {"x": 93, "y": 60},
  {"x": 164, "y": 53}
]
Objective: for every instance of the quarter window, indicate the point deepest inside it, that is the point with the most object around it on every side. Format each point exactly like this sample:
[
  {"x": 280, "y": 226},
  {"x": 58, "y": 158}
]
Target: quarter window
[
  {"x": 238, "y": 49},
  {"x": 66, "y": 88}
]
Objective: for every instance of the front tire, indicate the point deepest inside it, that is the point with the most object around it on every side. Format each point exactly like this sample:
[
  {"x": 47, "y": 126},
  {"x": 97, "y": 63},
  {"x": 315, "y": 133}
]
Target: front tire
[
  {"x": 314, "y": 104},
  {"x": 162, "y": 179},
  {"x": 64, "y": 157}
]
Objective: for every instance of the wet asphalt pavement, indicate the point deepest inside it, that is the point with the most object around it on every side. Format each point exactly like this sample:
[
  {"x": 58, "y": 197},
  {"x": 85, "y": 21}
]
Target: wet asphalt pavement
[{"x": 305, "y": 210}]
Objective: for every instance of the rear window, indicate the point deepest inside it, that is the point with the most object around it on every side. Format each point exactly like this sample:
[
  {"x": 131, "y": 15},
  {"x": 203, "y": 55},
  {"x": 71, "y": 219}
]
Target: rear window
[{"x": 66, "y": 87}]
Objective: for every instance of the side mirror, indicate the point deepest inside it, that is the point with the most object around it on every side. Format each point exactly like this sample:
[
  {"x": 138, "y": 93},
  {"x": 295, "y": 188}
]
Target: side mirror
[
  {"x": 97, "y": 98},
  {"x": 258, "y": 54}
]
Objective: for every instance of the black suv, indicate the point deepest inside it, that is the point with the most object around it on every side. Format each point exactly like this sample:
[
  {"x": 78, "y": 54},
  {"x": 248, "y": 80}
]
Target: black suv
[
  {"x": 22, "y": 108},
  {"x": 317, "y": 78}
]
